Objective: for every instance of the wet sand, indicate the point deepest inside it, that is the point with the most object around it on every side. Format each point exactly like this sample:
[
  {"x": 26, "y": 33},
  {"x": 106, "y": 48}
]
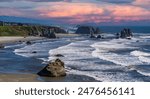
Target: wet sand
[
  {"x": 18, "y": 77},
  {"x": 16, "y": 39},
  {"x": 35, "y": 78},
  {"x": 59, "y": 35}
]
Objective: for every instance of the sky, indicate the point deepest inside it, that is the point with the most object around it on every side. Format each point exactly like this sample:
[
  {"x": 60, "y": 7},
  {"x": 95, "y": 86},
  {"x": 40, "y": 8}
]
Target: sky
[{"x": 100, "y": 12}]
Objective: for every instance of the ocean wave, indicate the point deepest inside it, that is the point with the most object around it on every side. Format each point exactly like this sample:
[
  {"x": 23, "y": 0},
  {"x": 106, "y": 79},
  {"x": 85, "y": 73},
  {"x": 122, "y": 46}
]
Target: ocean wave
[
  {"x": 143, "y": 56},
  {"x": 15, "y": 45},
  {"x": 139, "y": 53},
  {"x": 79, "y": 60},
  {"x": 39, "y": 49},
  {"x": 103, "y": 50}
]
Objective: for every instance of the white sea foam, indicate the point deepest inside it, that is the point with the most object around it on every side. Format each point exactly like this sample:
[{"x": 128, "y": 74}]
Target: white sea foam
[
  {"x": 144, "y": 59},
  {"x": 78, "y": 57},
  {"x": 108, "y": 50},
  {"x": 40, "y": 49},
  {"x": 124, "y": 60},
  {"x": 101, "y": 60},
  {"x": 14, "y": 46},
  {"x": 103, "y": 51},
  {"x": 143, "y": 56},
  {"x": 143, "y": 73},
  {"x": 139, "y": 53},
  {"x": 145, "y": 37}
]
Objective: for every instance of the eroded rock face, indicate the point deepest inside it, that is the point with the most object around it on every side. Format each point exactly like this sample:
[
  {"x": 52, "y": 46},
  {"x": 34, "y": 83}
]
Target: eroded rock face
[
  {"x": 126, "y": 33},
  {"x": 55, "y": 68},
  {"x": 88, "y": 30}
]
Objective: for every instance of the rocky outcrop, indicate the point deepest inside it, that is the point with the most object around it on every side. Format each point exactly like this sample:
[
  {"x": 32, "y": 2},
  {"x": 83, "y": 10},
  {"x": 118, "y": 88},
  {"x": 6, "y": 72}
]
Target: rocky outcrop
[
  {"x": 99, "y": 36},
  {"x": 126, "y": 33},
  {"x": 88, "y": 30},
  {"x": 55, "y": 68},
  {"x": 34, "y": 52},
  {"x": 51, "y": 33}
]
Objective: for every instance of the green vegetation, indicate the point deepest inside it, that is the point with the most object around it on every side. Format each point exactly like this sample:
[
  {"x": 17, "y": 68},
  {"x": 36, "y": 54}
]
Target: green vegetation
[
  {"x": 28, "y": 30},
  {"x": 15, "y": 30}
]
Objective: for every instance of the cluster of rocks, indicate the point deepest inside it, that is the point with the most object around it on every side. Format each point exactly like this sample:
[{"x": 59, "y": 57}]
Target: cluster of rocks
[
  {"x": 89, "y": 30},
  {"x": 46, "y": 31},
  {"x": 125, "y": 33},
  {"x": 55, "y": 68}
]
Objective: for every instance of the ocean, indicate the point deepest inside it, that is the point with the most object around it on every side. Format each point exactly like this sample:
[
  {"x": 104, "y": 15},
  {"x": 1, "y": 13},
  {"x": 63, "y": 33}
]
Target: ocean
[
  {"x": 107, "y": 60},
  {"x": 116, "y": 29}
]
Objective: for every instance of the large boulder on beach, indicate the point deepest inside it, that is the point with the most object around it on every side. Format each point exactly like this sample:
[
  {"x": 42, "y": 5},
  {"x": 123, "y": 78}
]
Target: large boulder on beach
[{"x": 55, "y": 68}]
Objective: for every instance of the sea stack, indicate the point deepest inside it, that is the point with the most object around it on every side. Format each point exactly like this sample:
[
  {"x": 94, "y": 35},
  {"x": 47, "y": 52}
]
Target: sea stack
[
  {"x": 126, "y": 33},
  {"x": 55, "y": 68}
]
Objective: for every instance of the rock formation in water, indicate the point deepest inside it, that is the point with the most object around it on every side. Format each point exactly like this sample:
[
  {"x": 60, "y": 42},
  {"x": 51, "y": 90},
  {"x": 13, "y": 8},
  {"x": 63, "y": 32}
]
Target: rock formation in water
[
  {"x": 88, "y": 30},
  {"x": 126, "y": 33},
  {"x": 59, "y": 55},
  {"x": 55, "y": 68},
  {"x": 28, "y": 43}
]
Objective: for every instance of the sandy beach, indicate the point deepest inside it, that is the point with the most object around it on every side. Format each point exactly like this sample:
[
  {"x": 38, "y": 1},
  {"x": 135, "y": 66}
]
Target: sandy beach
[
  {"x": 59, "y": 35},
  {"x": 16, "y": 39},
  {"x": 35, "y": 78}
]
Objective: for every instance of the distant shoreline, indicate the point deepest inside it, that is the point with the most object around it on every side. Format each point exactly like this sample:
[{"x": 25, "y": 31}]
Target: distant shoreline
[{"x": 17, "y": 39}]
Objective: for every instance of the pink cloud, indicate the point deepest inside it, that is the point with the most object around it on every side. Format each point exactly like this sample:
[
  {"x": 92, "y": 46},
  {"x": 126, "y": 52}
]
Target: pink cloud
[
  {"x": 142, "y": 2},
  {"x": 75, "y": 13},
  {"x": 89, "y": 12},
  {"x": 126, "y": 11},
  {"x": 69, "y": 9}
]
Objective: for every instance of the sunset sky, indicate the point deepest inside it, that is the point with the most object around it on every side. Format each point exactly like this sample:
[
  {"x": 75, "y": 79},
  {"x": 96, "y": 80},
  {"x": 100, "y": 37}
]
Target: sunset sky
[{"x": 104, "y": 12}]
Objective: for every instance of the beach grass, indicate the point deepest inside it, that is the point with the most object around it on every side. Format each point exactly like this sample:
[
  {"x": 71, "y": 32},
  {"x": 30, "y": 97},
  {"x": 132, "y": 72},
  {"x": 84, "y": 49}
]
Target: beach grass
[{"x": 15, "y": 30}]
